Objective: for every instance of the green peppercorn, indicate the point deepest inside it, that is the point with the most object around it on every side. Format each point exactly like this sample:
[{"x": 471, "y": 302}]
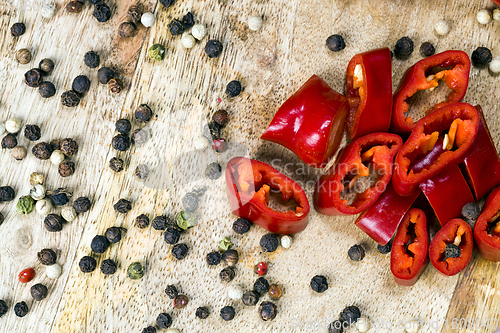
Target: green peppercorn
[
  {"x": 135, "y": 271},
  {"x": 319, "y": 284},
  {"x": 164, "y": 320},
  {"x": 171, "y": 291},
  {"x": 356, "y": 252},
  {"x": 225, "y": 244},
  {"x": 25, "y": 205},
  {"x": 157, "y": 52},
  {"x": 186, "y": 220}
]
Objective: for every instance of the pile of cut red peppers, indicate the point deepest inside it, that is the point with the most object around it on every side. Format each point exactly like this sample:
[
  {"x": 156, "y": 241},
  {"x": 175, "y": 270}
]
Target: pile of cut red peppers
[{"x": 448, "y": 157}]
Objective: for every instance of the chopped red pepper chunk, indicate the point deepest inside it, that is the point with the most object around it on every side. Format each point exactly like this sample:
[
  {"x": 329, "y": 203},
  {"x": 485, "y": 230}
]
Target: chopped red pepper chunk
[{"x": 487, "y": 228}]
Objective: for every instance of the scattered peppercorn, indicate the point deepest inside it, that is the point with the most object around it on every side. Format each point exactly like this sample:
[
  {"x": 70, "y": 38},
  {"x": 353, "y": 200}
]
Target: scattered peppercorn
[
  {"x": 47, "y": 257},
  {"x": 261, "y": 286},
  {"x": 140, "y": 136},
  {"x": 269, "y": 242},
  {"x": 121, "y": 142},
  {"x": 356, "y": 252},
  {"x": 186, "y": 220},
  {"x": 23, "y": 56},
  {"x": 123, "y": 206},
  {"x": 164, "y": 320},
  {"x": 142, "y": 221},
  {"x": 171, "y": 236},
  {"x": 21, "y": 309},
  {"x": 403, "y": 48},
  {"x": 268, "y": 310},
  {"x": 46, "y": 66},
  {"x": 135, "y": 271},
  {"x": 3, "y": 307},
  {"x": 135, "y": 13},
  {"x": 241, "y": 226},
  {"x": 81, "y": 84},
  {"x": 213, "y": 48},
  {"x": 33, "y": 78},
  {"x": 32, "y": 132},
  {"x": 202, "y": 312},
  {"x": 427, "y": 49},
  {"x": 275, "y": 291},
  {"x": 171, "y": 291},
  {"x": 157, "y": 52},
  {"x": 481, "y": 57},
  {"x": 142, "y": 171},
  {"x": 230, "y": 257},
  {"x": 149, "y": 329},
  {"x": 260, "y": 268},
  {"x": 190, "y": 201},
  {"x": 115, "y": 86},
  {"x": 87, "y": 264},
  {"x": 350, "y": 314},
  {"x": 335, "y": 327},
  {"x": 42, "y": 150},
  {"x": 452, "y": 251},
  {"x": 123, "y": 126},
  {"x": 221, "y": 117},
  {"x": 212, "y": 131},
  {"x": 66, "y": 168},
  {"x": 104, "y": 74},
  {"x": 213, "y": 258},
  {"x": 114, "y": 234},
  {"x": 384, "y": 249},
  {"x": 319, "y": 284},
  {"x": 127, "y": 30},
  {"x": 74, "y": 6},
  {"x": 233, "y": 89},
  {"x": 25, "y": 205},
  {"x": 7, "y": 193},
  {"x": 18, "y": 153},
  {"x": 471, "y": 211},
  {"x": 47, "y": 89},
  {"x": 116, "y": 164},
  {"x": 160, "y": 223},
  {"x": 176, "y": 28},
  {"x": 99, "y": 244},
  {"x": 213, "y": 171},
  {"x": 108, "y": 267},
  {"x": 250, "y": 298},
  {"x": 227, "y": 274},
  {"x": 55, "y": 144},
  {"x": 179, "y": 251},
  {"x": 38, "y": 292},
  {"x": 167, "y": 3},
  {"x": 102, "y": 12},
  {"x": 53, "y": 223},
  {"x": 335, "y": 43},
  {"x": 92, "y": 59},
  {"x": 227, "y": 313},
  {"x": 143, "y": 114},
  {"x": 18, "y": 29},
  {"x": 225, "y": 244},
  {"x": 82, "y": 205},
  {"x": 60, "y": 197},
  {"x": 9, "y": 141},
  {"x": 180, "y": 301},
  {"x": 70, "y": 99}
]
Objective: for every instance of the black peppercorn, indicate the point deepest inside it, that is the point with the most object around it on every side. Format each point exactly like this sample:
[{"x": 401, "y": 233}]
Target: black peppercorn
[
  {"x": 171, "y": 291},
  {"x": 350, "y": 314},
  {"x": 70, "y": 99},
  {"x": 336, "y": 327},
  {"x": 3, "y": 307},
  {"x": 221, "y": 117},
  {"x": 140, "y": 136},
  {"x": 250, "y": 298},
  {"x": 53, "y": 223},
  {"x": 108, "y": 267},
  {"x": 261, "y": 286},
  {"x": 176, "y": 28},
  {"x": 46, "y": 66},
  {"x": 149, "y": 329},
  {"x": 123, "y": 126},
  {"x": 81, "y": 84},
  {"x": 102, "y": 12},
  {"x": 121, "y": 142},
  {"x": 268, "y": 310},
  {"x": 356, "y": 252},
  {"x": 74, "y": 6},
  {"x": 160, "y": 223},
  {"x": 127, "y": 30},
  {"x": 164, "y": 320},
  {"x": 32, "y": 132},
  {"x": 18, "y": 29},
  {"x": 213, "y": 258},
  {"x": 230, "y": 257},
  {"x": 143, "y": 114},
  {"x": 227, "y": 274},
  {"x": 427, "y": 49},
  {"x": 213, "y": 48},
  {"x": 59, "y": 197},
  {"x": 269, "y": 242},
  {"x": 9, "y": 141},
  {"x": 115, "y": 86},
  {"x": 471, "y": 211},
  {"x": 114, "y": 234},
  {"x": 87, "y": 264},
  {"x": 99, "y": 244},
  {"x": 142, "y": 221},
  {"x": 403, "y": 48},
  {"x": 47, "y": 89},
  {"x": 335, "y": 43},
  {"x": 135, "y": 13},
  {"x": 167, "y": 3},
  {"x": 481, "y": 57},
  {"x": 104, "y": 74},
  {"x": 179, "y": 251},
  {"x": 202, "y": 312},
  {"x": 55, "y": 144},
  {"x": 7, "y": 193},
  {"x": 38, "y": 292},
  {"x": 21, "y": 309},
  {"x": 116, "y": 164},
  {"x": 66, "y": 168},
  {"x": 190, "y": 202},
  {"x": 241, "y": 226},
  {"x": 319, "y": 284},
  {"x": 212, "y": 131},
  {"x": 92, "y": 59},
  {"x": 452, "y": 251},
  {"x": 142, "y": 171},
  {"x": 227, "y": 313},
  {"x": 180, "y": 301},
  {"x": 384, "y": 249},
  {"x": 233, "y": 88},
  {"x": 42, "y": 150},
  {"x": 82, "y": 205},
  {"x": 1, "y": 221},
  {"x": 213, "y": 171},
  {"x": 123, "y": 206},
  {"x": 33, "y": 78},
  {"x": 188, "y": 20},
  {"x": 171, "y": 236},
  {"x": 47, "y": 257}
]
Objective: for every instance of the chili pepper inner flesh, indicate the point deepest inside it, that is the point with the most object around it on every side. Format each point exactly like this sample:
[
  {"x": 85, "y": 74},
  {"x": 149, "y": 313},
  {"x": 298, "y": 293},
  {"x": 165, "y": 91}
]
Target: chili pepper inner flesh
[
  {"x": 423, "y": 100},
  {"x": 457, "y": 240},
  {"x": 278, "y": 204},
  {"x": 493, "y": 226}
]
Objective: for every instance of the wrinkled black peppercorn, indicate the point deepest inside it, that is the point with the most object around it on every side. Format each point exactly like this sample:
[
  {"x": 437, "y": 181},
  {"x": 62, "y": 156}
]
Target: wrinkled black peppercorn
[
  {"x": 250, "y": 298},
  {"x": 7, "y": 193},
  {"x": 142, "y": 171},
  {"x": 471, "y": 211},
  {"x": 213, "y": 258},
  {"x": 356, "y": 252},
  {"x": 188, "y": 20},
  {"x": 335, "y": 327},
  {"x": 241, "y": 226},
  {"x": 9, "y": 141},
  {"x": 230, "y": 257},
  {"x": 384, "y": 249},
  {"x": 99, "y": 244},
  {"x": 221, "y": 118},
  {"x": 149, "y": 329},
  {"x": 114, "y": 234},
  {"x": 102, "y": 12},
  {"x": 481, "y": 57},
  {"x": 142, "y": 221},
  {"x": 82, "y": 205},
  {"x": 171, "y": 291},
  {"x": 123, "y": 126},
  {"x": 202, "y": 312},
  {"x": 135, "y": 13},
  {"x": 227, "y": 274},
  {"x": 164, "y": 320},
  {"x": 39, "y": 292},
  {"x": 140, "y": 136},
  {"x": 350, "y": 314},
  {"x": 319, "y": 284},
  {"x": 21, "y": 309},
  {"x": 46, "y": 66},
  {"x": 335, "y": 43},
  {"x": 87, "y": 264},
  {"x": 104, "y": 74},
  {"x": 42, "y": 150},
  {"x": 66, "y": 168},
  {"x": 108, "y": 267},
  {"x": 127, "y": 29},
  {"x": 213, "y": 171},
  {"x": 269, "y": 242},
  {"x": 116, "y": 164},
  {"x": 452, "y": 251},
  {"x": 214, "y": 131},
  {"x": 59, "y": 197},
  {"x": 176, "y": 28},
  {"x": 53, "y": 223},
  {"x": 123, "y": 206},
  {"x": 261, "y": 286},
  {"x": 47, "y": 89},
  {"x": 32, "y": 132},
  {"x": 33, "y": 78},
  {"x": 47, "y": 257},
  {"x": 233, "y": 88},
  {"x": 3, "y": 307},
  {"x": 81, "y": 84},
  {"x": 227, "y": 313},
  {"x": 213, "y": 48},
  {"x": 70, "y": 99},
  {"x": 143, "y": 114},
  {"x": 92, "y": 59},
  {"x": 403, "y": 48},
  {"x": 55, "y": 144},
  {"x": 427, "y": 49},
  {"x": 160, "y": 223},
  {"x": 268, "y": 311},
  {"x": 171, "y": 236},
  {"x": 179, "y": 251},
  {"x": 190, "y": 201},
  {"x": 18, "y": 29},
  {"x": 121, "y": 142}
]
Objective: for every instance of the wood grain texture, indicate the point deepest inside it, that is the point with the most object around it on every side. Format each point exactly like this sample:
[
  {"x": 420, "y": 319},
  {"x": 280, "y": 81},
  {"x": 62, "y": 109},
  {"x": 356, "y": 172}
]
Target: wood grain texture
[{"x": 183, "y": 90}]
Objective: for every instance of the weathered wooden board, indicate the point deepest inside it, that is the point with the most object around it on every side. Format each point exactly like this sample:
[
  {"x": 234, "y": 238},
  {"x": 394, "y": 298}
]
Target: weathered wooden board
[{"x": 183, "y": 91}]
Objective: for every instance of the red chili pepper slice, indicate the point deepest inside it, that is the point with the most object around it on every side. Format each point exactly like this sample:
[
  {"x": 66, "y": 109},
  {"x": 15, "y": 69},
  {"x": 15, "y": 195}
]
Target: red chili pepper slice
[
  {"x": 456, "y": 125},
  {"x": 487, "y": 228},
  {"x": 447, "y": 193},
  {"x": 249, "y": 183},
  {"x": 482, "y": 159},
  {"x": 310, "y": 123},
  {"x": 452, "y": 67},
  {"x": 381, "y": 220},
  {"x": 409, "y": 248},
  {"x": 458, "y": 233},
  {"x": 359, "y": 177},
  {"x": 368, "y": 88}
]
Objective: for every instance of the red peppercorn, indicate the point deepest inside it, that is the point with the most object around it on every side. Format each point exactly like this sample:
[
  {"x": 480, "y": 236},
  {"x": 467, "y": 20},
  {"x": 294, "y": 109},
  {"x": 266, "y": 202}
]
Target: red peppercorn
[
  {"x": 26, "y": 275},
  {"x": 261, "y": 268}
]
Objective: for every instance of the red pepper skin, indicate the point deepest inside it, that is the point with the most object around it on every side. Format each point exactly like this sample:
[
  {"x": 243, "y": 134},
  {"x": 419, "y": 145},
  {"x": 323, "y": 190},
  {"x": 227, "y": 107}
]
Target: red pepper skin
[
  {"x": 497, "y": 2},
  {"x": 381, "y": 220},
  {"x": 371, "y": 104},
  {"x": 310, "y": 123},
  {"x": 26, "y": 275},
  {"x": 248, "y": 185},
  {"x": 415, "y": 79},
  {"x": 377, "y": 149},
  {"x": 482, "y": 160},
  {"x": 408, "y": 261},
  {"x": 446, "y": 235},
  {"x": 488, "y": 244},
  {"x": 406, "y": 178},
  {"x": 447, "y": 193}
]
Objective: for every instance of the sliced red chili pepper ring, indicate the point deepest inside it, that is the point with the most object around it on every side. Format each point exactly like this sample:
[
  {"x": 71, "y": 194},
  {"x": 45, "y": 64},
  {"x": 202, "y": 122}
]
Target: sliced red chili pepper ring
[
  {"x": 359, "y": 177},
  {"x": 452, "y": 67},
  {"x": 451, "y": 248},
  {"x": 310, "y": 123},
  {"x": 409, "y": 249},
  {"x": 368, "y": 88},
  {"x": 487, "y": 228},
  {"x": 456, "y": 125},
  {"x": 249, "y": 183}
]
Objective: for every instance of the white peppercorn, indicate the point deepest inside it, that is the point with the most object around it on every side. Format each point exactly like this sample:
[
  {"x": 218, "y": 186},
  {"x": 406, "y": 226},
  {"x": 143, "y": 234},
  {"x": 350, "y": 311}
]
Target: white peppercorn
[
  {"x": 188, "y": 41},
  {"x": 255, "y": 23},
  {"x": 235, "y": 293},
  {"x": 38, "y": 192},
  {"x": 286, "y": 241},
  {"x": 56, "y": 157},
  {"x": 201, "y": 142},
  {"x": 18, "y": 152},
  {"x": 363, "y": 325},
  {"x": 495, "y": 65},
  {"x": 13, "y": 125},
  {"x": 442, "y": 27},
  {"x": 148, "y": 19},
  {"x": 36, "y": 178},
  {"x": 43, "y": 207},
  {"x": 496, "y": 14},
  {"x": 413, "y": 326},
  {"x": 48, "y": 9},
  {"x": 483, "y": 16},
  {"x": 199, "y": 31},
  {"x": 53, "y": 271},
  {"x": 69, "y": 213},
  {"x": 2, "y": 128}
]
